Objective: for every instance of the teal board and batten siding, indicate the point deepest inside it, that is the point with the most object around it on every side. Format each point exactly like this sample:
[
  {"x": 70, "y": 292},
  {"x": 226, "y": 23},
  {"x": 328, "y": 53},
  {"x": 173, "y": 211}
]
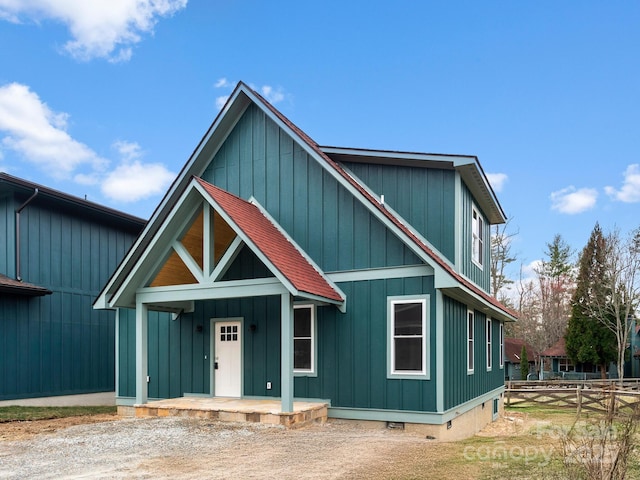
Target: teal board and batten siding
[
  {"x": 259, "y": 159},
  {"x": 7, "y": 229},
  {"x": 352, "y": 351},
  {"x": 58, "y": 344},
  {"x": 351, "y": 355},
  {"x": 460, "y": 386},
  {"x": 480, "y": 276},
  {"x": 424, "y": 197}
]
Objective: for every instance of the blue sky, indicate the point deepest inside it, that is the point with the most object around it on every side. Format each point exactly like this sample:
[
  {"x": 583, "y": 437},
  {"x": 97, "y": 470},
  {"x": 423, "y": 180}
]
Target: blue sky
[{"x": 109, "y": 98}]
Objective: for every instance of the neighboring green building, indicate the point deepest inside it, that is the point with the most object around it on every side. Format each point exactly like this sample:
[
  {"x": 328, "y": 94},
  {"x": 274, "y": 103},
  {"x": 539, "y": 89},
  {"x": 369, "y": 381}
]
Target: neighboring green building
[
  {"x": 56, "y": 253},
  {"x": 357, "y": 277}
]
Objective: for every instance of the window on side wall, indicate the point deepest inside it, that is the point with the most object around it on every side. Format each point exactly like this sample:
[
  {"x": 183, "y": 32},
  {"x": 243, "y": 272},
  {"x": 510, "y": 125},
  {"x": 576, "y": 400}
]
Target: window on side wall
[
  {"x": 489, "y": 334},
  {"x": 477, "y": 238},
  {"x": 501, "y": 345},
  {"x": 470, "y": 340},
  {"x": 408, "y": 337},
  {"x": 304, "y": 336}
]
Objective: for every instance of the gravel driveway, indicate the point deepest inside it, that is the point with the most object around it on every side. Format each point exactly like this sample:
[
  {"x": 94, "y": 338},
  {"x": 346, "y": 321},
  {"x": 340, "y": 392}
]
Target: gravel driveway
[{"x": 187, "y": 448}]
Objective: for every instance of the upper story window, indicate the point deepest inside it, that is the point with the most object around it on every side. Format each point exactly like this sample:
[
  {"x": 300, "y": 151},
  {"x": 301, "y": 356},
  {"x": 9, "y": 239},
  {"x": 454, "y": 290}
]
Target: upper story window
[
  {"x": 304, "y": 334},
  {"x": 408, "y": 337},
  {"x": 477, "y": 238}
]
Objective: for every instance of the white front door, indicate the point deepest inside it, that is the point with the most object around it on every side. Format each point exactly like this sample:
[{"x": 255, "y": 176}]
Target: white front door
[{"x": 227, "y": 359}]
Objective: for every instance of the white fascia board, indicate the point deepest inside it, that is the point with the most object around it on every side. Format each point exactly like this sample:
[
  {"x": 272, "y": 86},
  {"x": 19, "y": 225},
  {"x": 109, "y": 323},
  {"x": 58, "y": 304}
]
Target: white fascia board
[
  {"x": 245, "y": 238},
  {"x": 430, "y": 157},
  {"x": 297, "y": 247},
  {"x": 138, "y": 276},
  {"x": 215, "y": 135},
  {"x": 219, "y": 290},
  {"x": 478, "y": 183},
  {"x": 472, "y": 299}
]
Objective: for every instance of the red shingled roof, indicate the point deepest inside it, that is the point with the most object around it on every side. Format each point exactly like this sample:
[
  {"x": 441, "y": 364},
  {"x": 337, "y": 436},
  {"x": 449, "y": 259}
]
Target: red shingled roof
[
  {"x": 284, "y": 255},
  {"x": 558, "y": 349},
  {"x": 395, "y": 220},
  {"x": 513, "y": 349},
  {"x": 10, "y": 285}
]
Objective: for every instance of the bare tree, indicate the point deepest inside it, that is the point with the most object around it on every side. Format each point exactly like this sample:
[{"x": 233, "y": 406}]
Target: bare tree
[
  {"x": 501, "y": 258},
  {"x": 621, "y": 281}
]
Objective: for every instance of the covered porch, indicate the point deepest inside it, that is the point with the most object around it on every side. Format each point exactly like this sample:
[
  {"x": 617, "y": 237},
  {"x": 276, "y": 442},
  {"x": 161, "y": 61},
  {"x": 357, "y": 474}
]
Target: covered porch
[
  {"x": 223, "y": 409},
  {"x": 214, "y": 247}
]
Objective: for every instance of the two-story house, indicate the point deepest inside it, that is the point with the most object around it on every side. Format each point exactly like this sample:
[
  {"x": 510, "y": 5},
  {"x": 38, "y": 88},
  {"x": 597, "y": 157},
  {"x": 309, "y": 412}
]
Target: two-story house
[
  {"x": 56, "y": 253},
  {"x": 295, "y": 271}
]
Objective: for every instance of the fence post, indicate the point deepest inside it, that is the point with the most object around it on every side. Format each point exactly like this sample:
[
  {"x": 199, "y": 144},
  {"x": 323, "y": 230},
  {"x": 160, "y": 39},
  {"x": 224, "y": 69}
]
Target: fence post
[{"x": 579, "y": 399}]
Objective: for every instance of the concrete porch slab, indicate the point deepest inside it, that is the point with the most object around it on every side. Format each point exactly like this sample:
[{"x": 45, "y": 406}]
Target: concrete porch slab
[{"x": 235, "y": 410}]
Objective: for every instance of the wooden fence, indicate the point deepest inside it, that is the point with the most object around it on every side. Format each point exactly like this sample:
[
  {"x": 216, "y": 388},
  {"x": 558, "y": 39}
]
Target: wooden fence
[{"x": 598, "y": 396}]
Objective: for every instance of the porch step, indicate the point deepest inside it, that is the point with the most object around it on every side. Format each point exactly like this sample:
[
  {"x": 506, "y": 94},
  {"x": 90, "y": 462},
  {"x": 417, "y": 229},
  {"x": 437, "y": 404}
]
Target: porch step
[{"x": 236, "y": 410}]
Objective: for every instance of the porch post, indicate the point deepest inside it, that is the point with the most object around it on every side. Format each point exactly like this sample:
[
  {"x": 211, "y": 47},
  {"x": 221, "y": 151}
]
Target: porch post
[
  {"x": 286, "y": 362},
  {"x": 142, "y": 322}
]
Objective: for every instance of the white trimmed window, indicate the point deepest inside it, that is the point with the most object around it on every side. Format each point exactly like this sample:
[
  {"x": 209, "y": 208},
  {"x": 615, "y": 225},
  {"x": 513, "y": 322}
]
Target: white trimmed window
[
  {"x": 477, "y": 237},
  {"x": 408, "y": 336},
  {"x": 304, "y": 332},
  {"x": 489, "y": 333},
  {"x": 501, "y": 345},
  {"x": 470, "y": 340}
]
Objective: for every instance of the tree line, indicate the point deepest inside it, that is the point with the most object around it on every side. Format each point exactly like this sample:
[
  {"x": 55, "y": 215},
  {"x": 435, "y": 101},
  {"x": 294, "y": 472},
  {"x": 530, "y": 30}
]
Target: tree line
[{"x": 589, "y": 299}]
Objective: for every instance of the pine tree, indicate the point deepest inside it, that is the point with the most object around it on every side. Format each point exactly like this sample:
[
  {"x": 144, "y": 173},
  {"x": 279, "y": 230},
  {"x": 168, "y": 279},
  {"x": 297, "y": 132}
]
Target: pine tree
[
  {"x": 587, "y": 339},
  {"x": 556, "y": 285},
  {"x": 524, "y": 363}
]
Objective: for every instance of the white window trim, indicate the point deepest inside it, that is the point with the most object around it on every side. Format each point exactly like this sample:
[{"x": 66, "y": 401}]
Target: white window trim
[
  {"x": 312, "y": 371},
  {"x": 489, "y": 335},
  {"x": 501, "y": 345},
  {"x": 424, "y": 373},
  {"x": 477, "y": 235},
  {"x": 471, "y": 320}
]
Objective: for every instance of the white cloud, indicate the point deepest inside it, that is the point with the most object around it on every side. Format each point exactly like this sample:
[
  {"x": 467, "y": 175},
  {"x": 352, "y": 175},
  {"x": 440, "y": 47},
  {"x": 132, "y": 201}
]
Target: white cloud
[
  {"x": 497, "y": 180},
  {"x": 128, "y": 151},
  {"x": 571, "y": 200},
  {"x": 39, "y": 134},
  {"x": 99, "y": 28},
  {"x": 272, "y": 95},
  {"x": 125, "y": 183},
  {"x": 220, "y": 101},
  {"x": 223, "y": 83},
  {"x": 630, "y": 191}
]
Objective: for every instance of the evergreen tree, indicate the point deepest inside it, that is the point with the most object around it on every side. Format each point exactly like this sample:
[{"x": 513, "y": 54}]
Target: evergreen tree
[
  {"x": 555, "y": 286},
  {"x": 524, "y": 363},
  {"x": 587, "y": 339}
]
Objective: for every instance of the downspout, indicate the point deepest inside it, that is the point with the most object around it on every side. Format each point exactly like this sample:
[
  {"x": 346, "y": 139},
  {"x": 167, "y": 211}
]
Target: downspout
[{"x": 18, "y": 210}]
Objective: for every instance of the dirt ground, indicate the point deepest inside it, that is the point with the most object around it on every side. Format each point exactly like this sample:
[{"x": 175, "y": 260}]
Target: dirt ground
[{"x": 108, "y": 447}]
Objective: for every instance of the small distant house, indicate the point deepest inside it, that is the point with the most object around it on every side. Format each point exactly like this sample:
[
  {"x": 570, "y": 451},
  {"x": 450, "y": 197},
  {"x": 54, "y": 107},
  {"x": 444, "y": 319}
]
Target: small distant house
[
  {"x": 556, "y": 364},
  {"x": 359, "y": 278},
  {"x": 56, "y": 252},
  {"x": 512, "y": 360}
]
